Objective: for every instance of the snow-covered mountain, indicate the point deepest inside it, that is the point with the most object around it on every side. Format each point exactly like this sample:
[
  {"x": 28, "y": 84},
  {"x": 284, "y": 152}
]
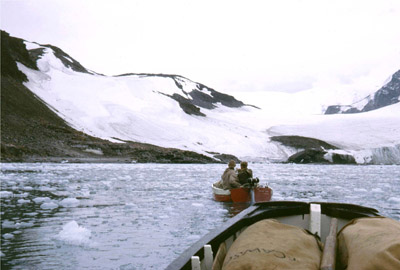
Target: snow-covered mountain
[
  {"x": 389, "y": 94},
  {"x": 173, "y": 111}
]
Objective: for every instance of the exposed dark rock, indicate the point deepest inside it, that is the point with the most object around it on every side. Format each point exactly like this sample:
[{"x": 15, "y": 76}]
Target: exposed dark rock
[
  {"x": 333, "y": 109},
  {"x": 202, "y": 99},
  {"x": 14, "y": 50},
  {"x": 225, "y": 158},
  {"x": 314, "y": 150},
  {"x": 226, "y": 100},
  {"x": 343, "y": 159},
  {"x": 36, "y": 54},
  {"x": 300, "y": 142},
  {"x": 311, "y": 155},
  {"x": 187, "y": 106},
  {"x": 352, "y": 110},
  {"x": 389, "y": 94},
  {"x": 67, "y": 60}
]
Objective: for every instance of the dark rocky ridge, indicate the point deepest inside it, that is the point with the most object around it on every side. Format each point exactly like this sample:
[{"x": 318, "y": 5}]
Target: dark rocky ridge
[
  {"x": 389, "y": 94},
  {"x": 31, "y": 132},
  {"x": 300, "y": 142},
  {"x": 14, "y": 50},
  {"x": 67, "y": 60},
  {"x": 312, "y": 150},
  {"x": 197, "y": 96}
]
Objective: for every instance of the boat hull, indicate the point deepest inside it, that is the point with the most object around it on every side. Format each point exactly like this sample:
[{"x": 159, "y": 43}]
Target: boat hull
[
  {"x": 242, "y": 195},
  {"x": 221, "y": 195},
  {"x": 314, "y": 217}
]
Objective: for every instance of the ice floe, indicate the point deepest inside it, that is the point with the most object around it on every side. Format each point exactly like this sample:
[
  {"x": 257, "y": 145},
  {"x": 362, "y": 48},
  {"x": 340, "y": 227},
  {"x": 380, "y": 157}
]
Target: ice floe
[
  {"x": 69, "y": 202},
  {"x": 41, "y": 199},
  {"x": 8, "y": 236},
  {"x": 72, "y": 233},
  {"x": 49, "y": 205}
]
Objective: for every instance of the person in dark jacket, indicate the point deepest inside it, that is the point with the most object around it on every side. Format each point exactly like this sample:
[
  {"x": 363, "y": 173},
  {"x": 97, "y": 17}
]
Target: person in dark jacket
[{"x": 244, "y": 173}]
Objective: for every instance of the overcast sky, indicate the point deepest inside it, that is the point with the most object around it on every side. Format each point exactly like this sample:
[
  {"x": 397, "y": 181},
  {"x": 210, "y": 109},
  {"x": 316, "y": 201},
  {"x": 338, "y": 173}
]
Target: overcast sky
[{"x": 279, "y": 45}]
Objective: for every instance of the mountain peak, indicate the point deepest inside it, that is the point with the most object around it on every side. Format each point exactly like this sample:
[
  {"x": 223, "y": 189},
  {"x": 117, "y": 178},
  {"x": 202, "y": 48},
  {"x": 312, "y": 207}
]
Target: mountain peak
[{"x": 387, "y": 95}]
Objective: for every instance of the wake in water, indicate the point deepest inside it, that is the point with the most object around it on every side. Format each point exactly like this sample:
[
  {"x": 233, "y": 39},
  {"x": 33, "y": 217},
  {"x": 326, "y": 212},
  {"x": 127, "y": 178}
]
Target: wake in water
[{"x": 141, "y": 216}]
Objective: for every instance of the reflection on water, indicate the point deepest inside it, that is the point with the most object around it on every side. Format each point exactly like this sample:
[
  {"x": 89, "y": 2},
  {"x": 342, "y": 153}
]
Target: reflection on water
[{"x": 142, "y": 216}]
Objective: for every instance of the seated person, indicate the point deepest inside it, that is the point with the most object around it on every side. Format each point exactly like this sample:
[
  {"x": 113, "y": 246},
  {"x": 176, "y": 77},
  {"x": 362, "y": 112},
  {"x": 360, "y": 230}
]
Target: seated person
[
  {"x": 244, "y": 173},
  {"x": 229, "y": 178}
]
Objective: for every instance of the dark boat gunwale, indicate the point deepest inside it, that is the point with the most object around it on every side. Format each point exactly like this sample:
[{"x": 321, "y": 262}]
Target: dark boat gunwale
[{"x": 264, "y": 210}]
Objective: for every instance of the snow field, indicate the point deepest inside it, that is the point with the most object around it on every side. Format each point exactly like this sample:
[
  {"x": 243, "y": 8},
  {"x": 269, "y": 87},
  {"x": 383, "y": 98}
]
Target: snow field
[{"x": 132, "y": 108}]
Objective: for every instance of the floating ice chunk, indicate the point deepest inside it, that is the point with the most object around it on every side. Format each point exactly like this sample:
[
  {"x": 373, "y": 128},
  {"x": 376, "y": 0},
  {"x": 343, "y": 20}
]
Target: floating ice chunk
[
  {"x": 23, "y": 225},
  {"x": 377, "y": 190},
  {"x": 394, "y": 200},
  {"x": 27, "y": 188},
  {"x": 72, "y": 233},
  {"x": 23, "y": 195},
  {"x": 46, "y": 188},
  {"x": 30, "y": 214},
  {"x": 8, "y": 181},
  {"x": 197, "y": 204},
  {"x": 49, "y": 205},
  {"x": 8, "y": 236},
  {"x": 360, "y": 190},
  {"x": 69, "y": 202},
  {"x": 41, "y": 199},
  {"x": 21, "y": 201},
  {"x": 6, "y": 194},
  {"x": 8, "y": 224}
]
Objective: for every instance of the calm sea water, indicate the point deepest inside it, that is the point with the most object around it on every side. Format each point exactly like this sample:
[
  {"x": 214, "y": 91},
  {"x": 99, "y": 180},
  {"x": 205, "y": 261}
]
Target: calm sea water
[{"x": 142, "y": 216}]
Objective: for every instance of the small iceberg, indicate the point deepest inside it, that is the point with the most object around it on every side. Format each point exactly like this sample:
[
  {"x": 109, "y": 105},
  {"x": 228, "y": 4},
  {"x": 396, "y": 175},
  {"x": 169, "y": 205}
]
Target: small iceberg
[
  {"x": 69, "y": 202},
  {"x": 22, "y": 201},
  {"x": 49, "y": 205},
  {"x": 72, "y": 233},
  {"x": 41, "y": 199},
  {"x": 8, "y": 236},
  {"x": 6, "y": 194}
]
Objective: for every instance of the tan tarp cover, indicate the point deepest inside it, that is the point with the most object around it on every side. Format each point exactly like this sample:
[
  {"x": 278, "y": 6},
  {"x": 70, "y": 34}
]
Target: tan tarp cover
[
  {"x": 369, "y": 244},
  {"x": 269, "y": 244},
  {"x": 219, "y": 257}
]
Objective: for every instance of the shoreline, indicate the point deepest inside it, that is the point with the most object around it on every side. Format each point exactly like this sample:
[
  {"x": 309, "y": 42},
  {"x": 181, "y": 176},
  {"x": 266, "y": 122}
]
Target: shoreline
[{"x": 93, "y": 160}]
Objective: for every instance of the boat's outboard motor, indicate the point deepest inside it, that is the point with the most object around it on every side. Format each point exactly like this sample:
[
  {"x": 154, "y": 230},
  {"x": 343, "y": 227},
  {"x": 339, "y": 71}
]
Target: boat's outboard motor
[{"x": 253, "y": 182}]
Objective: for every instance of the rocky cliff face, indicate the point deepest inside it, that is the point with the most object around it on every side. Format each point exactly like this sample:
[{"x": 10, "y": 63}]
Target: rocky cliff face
[
  {"x": 389, "y": 94},
  {"x": 30, "y": 131}
]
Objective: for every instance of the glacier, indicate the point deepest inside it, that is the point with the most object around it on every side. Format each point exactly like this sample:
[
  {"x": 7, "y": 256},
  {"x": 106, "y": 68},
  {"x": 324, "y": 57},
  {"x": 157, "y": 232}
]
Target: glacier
[{"x": 136, "y": 107}]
